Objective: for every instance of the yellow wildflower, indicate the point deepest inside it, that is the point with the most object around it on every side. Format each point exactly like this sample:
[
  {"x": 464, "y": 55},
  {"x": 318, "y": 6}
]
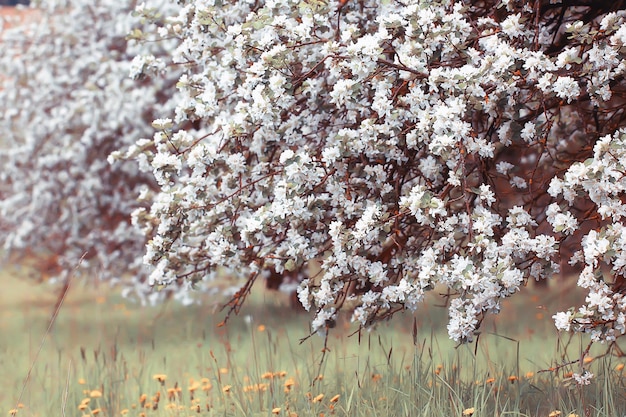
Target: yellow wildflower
[
  {"x": 95, "y": 394},
  {"x": 318, "y": 398},
  {"x": 160, "y": 377}
]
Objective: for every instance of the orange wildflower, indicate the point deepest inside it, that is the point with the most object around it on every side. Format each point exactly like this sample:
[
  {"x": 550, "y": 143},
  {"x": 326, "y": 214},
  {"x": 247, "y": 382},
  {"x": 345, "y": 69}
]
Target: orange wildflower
[
  {"x": 95, "y": 394},
  {"x": 160, "y": 377}
]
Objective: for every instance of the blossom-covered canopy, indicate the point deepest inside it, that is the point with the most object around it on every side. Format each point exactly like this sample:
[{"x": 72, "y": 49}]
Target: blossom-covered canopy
[{"x": 403, "y": 145}]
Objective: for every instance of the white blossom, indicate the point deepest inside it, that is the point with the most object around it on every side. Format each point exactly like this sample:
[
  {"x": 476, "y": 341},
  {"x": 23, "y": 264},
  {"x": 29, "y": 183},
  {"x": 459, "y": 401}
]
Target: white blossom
[
  {"x": 528, "y": 132},
  {"x": 518, "y": 182},
  {"x": 400, "y": 146},
  {"x": 504, "y": 167},
  {"x": 566, "y": 87},
  {"x": 563, "y": 320},
  {"x": 584, "y": 378},
  {"x": 511, "y": 25}
]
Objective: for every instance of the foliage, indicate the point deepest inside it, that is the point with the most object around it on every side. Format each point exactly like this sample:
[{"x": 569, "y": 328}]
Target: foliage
[
  {"x": 404, "y": 145},
  {"x": 66, "y": 103}
]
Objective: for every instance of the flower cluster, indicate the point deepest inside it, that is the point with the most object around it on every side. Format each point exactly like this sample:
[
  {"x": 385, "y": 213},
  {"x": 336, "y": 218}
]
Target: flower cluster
[{"x": 601, "y": 180}]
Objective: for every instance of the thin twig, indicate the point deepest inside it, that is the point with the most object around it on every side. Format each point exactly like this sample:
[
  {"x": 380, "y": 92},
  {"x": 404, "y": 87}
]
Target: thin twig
[{"x": 325, "y": 350}]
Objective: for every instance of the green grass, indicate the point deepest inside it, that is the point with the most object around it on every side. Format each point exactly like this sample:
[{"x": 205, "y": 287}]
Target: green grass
[{"x": 102, "y": 344}]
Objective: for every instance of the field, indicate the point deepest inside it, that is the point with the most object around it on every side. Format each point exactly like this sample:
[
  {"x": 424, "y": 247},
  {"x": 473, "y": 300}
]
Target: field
[{"x": 106, "y": 356}]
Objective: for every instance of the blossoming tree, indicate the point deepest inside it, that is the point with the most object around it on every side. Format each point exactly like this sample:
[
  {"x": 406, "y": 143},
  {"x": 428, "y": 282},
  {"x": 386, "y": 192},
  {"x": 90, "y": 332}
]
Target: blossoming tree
[
  {"x": 403, "y": 145},
  {"x": 66, "y": 102}
]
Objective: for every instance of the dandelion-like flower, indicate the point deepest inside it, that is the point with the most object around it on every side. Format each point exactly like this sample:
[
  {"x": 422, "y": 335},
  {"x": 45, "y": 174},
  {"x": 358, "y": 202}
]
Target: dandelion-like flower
[
  {"x": 95, "y": 393},
  {"x": 318, "y": 398},
  {"x": 160, "y": 378},
  {"x": 289, "y": 383}
]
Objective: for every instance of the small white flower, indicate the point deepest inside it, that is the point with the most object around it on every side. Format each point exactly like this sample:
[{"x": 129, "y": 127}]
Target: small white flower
[
  {"x": 366, "y": 222},
  {"x": 486, "y": 194},
  {"x": 608, "y": 21},
  {"x": 143, "y": 65},
  {"x": 567, "y": 57},
  {"x": 342, "y": 91},
  {"x": 511, "y": 25},
  {"x": 504, "y": 167},
  {"x": 505, "y": 133},
  {"x": 163, "y": 160},
  {"x": 563, "y": 320},
  {"x": 528, "y": 133},
  {"x": 330, "y": 155},
  {"x": 162, "y": 124},
  {"x": 545, "y": 82},
  {"x": 519, "y": 217},
  {"x": 556, "y": 187},
  {"x": 286, "y": 156},
  {"x": 518, "y": 182},
  {"x": 566, "y": 88},
  {"x": 584, "y": 378},
  {"x": 429, "y": 167}
]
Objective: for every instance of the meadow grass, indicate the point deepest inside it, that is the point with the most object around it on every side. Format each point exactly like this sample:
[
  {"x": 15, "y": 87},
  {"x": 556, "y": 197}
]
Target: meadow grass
[{"x": 108, "y": 357}]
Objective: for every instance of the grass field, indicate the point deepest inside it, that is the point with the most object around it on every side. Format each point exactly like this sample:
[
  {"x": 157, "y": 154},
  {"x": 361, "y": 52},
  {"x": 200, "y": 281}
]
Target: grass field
[{"x": 105, "y": 356}]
